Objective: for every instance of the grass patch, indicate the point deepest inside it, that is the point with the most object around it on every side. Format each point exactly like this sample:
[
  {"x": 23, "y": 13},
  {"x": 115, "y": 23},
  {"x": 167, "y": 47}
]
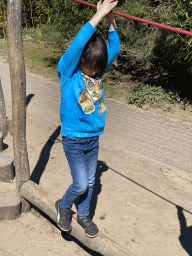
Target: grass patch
[
  {"x": 115, "y": 89},
  {"x": 42, "y": 48},
  {"x": 3, "y": 48},
  {"x": 40, "y": 58}
]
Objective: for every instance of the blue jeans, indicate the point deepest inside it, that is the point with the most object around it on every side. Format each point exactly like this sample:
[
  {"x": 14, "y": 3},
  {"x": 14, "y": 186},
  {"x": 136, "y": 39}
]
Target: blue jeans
[{"x": 82, "y": 155}]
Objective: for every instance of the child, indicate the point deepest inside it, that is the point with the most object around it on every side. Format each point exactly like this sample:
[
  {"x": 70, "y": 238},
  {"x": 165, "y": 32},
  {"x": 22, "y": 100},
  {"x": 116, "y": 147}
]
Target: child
[{"x": 82, "y": 112}]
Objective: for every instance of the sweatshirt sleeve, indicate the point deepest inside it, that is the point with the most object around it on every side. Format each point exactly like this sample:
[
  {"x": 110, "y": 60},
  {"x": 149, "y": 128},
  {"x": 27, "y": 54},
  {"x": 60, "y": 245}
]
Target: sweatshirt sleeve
[
  {"x": 113, "y": 47},
  {"x": 70, "y": 60}
]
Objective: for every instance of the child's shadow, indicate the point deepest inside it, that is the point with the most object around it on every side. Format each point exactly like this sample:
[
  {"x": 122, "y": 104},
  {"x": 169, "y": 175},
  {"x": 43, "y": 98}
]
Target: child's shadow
[
  {"x": 186, "y": 232},
  {"x": 101, "y": 167}
]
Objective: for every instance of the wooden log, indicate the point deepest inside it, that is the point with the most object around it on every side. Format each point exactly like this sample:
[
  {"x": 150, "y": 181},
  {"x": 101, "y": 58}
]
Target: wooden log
[
  {"x": 3, "y": 121},
  {"x": 18, "y": 88},
  {"x": 46, "y": 203},
  {"x": 10, "y": 206},
  {"x": 1, "y": 142},
  {"x": 7, "y": 172},
  {"x": 9, "y": 126}
]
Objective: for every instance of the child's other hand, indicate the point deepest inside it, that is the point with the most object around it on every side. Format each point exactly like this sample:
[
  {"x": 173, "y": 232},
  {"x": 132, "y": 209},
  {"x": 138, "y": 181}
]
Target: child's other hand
[
  {"x": 104, "y": 8},
  {"x": 109, "y": 17}
]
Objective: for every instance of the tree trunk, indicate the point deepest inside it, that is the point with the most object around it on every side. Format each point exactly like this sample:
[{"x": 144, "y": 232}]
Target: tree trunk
[{"x": 18, "y": 88}]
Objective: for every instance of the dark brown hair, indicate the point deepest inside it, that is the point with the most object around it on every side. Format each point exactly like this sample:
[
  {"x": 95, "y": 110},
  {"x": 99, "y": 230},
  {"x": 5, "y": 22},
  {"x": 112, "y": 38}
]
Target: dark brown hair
[{"x": 95, "y": 54}]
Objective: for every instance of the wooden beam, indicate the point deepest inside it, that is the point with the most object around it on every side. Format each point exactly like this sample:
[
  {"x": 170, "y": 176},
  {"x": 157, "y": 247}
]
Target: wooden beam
[
  {"x": 3, "y": 121},
  {"x": 46, "y": 203},
  {"x": 18, "y": 89}
]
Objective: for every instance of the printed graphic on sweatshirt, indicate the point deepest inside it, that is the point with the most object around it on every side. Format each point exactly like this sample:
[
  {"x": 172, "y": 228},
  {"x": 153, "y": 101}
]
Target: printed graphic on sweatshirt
[{"x": 91, "y": 95}]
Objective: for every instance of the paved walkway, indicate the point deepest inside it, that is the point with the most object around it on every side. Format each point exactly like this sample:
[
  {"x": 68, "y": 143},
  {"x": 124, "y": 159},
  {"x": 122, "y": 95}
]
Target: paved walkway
[
  {"x": 149, "y": 134},
  {"x": 152, "y": 135}
]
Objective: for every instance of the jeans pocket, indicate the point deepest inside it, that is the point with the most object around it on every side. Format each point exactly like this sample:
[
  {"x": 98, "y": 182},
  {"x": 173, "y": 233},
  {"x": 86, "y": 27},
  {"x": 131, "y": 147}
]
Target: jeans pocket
[
  {"x": 71, "y": 146},
  {"x": 70, "y": 143}
]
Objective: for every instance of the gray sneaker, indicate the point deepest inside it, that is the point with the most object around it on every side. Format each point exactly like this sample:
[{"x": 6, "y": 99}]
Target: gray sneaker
[
  {"x": 91, "y": 229},
  {"x": 64, "y": 217}
]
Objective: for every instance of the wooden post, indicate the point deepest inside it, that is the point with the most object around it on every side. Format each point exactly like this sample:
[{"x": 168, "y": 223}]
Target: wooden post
[
  {"x": 3, "y": 121},
  {"x": 46, "y": 203},
  {"x": 18, "y": 88}
]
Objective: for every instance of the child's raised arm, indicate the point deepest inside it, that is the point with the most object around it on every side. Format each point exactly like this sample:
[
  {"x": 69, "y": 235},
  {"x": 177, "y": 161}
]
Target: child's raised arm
[
  {"x": 103, "y": 9},
  {"x": 69, "y": 61},
  {"x": 113, "y": 43}
]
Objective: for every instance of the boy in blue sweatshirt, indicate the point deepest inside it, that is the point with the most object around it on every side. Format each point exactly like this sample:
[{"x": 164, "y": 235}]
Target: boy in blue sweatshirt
[{"x": 82, "y": 112}]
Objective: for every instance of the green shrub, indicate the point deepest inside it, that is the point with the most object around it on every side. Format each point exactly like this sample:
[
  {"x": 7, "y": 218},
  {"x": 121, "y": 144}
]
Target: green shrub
[
  {"x": 153, "y": 96},
  {"x": 150, "y": 45},
  {"x": 3, "y": 17}
]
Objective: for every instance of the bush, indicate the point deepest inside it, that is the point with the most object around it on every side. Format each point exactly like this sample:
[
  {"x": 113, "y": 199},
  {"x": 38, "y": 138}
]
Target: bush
[
  {"x": 3, "y": 16},
  {"x": 152, "y": 46},
  {"x": 153, "y": 96}
]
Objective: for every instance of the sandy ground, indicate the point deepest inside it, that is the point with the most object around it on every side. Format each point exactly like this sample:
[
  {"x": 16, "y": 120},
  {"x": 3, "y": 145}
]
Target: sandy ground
[{"x": 139, "y": 203}]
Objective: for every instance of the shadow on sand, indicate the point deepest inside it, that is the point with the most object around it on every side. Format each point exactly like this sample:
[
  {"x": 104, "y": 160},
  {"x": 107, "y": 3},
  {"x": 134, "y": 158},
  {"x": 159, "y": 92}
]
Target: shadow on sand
[
  {"x": 186, "y": 232},
  {"x": 44, "y": 157}
]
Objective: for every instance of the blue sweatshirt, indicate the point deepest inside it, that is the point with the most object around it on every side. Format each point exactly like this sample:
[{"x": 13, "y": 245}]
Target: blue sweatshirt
[{"x": 76, "y": 119}]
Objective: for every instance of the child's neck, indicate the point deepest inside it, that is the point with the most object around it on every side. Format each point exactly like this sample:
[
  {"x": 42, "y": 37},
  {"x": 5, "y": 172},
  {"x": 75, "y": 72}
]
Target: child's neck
[{"x": 97, "y": 76}]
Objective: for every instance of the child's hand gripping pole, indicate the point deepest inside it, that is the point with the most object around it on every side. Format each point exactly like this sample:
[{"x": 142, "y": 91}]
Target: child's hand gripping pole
[{"x": 104, "y": 8}]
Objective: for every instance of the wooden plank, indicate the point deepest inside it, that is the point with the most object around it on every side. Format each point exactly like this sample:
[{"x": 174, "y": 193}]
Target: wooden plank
[{"x": 46, "y": 203}]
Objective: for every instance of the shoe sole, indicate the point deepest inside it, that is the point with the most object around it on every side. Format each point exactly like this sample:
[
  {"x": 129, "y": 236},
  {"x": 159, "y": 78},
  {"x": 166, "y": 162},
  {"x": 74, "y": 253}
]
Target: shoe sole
[
  {"x": 90, "y": 236},
  {"x": 58, "y": 218}
]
